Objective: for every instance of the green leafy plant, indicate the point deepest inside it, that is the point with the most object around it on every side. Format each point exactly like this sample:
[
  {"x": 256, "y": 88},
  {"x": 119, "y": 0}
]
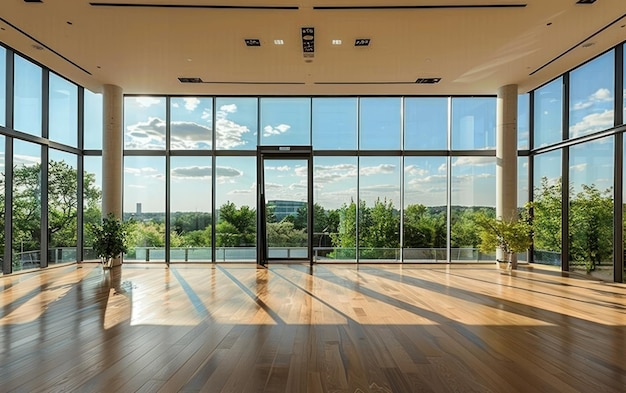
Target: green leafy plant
[
  {"x": 511, "y": 236},
  {"x": 109, "y": 238}
]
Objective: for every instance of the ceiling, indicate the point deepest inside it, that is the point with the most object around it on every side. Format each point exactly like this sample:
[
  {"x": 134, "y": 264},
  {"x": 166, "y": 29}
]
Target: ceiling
[{"x": 474, "y": 46}]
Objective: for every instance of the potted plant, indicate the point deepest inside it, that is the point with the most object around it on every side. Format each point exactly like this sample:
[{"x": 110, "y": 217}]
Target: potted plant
[
  {"x": 109, "y": 239},
  {"x": 510, "y": 235}
]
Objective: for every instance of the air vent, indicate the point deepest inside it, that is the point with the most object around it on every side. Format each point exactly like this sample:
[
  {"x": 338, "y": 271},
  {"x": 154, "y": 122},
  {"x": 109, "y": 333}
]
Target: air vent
[
  {"x": 190, "y": 80},
  {"x": 427, "y": 81},
  {"x": 253, "y": 42},
  {"x": 585, "y": 1},
  {"x": 33, "y": 1},
  {"x": 362, "y": 42}
]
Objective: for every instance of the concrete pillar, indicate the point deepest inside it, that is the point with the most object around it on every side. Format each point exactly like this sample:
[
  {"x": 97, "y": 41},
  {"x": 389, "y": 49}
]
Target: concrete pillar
[
  {"x": 506, "y": 152},
  {"x": 112, "y": 152}
]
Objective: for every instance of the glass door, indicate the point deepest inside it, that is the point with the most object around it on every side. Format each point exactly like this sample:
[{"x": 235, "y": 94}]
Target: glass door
[{"x": 284, "y": 198}]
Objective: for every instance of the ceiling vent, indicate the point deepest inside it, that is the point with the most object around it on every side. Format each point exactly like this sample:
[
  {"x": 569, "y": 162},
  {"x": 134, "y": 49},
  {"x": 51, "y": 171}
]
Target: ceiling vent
[
  {"x": 33, "y": 1},
  {"x": 253, "y": 42},
  {"x": 427, "y": 81},
  {"x": 585, "y": 1},
  {"x": 362, "y": 42},
  {"x": 190, "y": 80}
]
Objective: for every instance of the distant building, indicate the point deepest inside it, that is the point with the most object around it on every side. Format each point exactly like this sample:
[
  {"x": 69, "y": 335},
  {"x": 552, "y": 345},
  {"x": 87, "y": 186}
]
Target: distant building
[
  {"x": 138, "y": 209},
  {"x": 283, "y": 209}
]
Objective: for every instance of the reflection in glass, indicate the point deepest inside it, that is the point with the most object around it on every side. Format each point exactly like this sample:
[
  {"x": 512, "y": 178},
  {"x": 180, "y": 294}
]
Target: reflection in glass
[
  {"x": 592, "y": 96},
  {"x": 27, "y": 101},
  {"x": 547, "y": 208},
  {"x": 378, "y": 210},
  {"x": 285, "y": 121},
  {"x": 286, "y": 196},
  {"x": 425, "y": 211},
  {"x": 473, "y": 191},
  {"x": 523, "y": 121},
  {"x": 235, "y": 202},
  {"x": 190, "y": 209},
  {"x": 425, "y": 123},
  {"x": 236, "y": 126},
  {"x": 334, "y": 217},
  {"x": 335, "y": 123},
  {"x": 26, "y": 205},
  {"x": 93, "y": 121},
  {"x": 92, "y": 201},
  {"x": 591, "y": 208},
  {"x": 63, "y": 103},
  {"x": 191, "y": 124},
  {"x": 62, "y": 207},
  {"x": 380, "y": 123},
  {"x": 144, "y": 201},
  {"x": 548, "y": 114},
  {"x": 473, "y": 123},
  {"x": 3, "y": 84},
  {"x": 144, "y": 123}
]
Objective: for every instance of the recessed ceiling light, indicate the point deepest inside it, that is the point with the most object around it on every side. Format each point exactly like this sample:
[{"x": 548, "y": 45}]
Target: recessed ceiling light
[
  {"x": 252, "y": 42},
  {"x": 362, "y": 42},
  {"x": 336, "y": 42},
  {"x": 279, "y": 42}
]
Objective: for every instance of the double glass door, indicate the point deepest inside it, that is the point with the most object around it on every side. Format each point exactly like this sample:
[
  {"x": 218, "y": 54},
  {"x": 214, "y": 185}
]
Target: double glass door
[{"x": 284, "y": 213}]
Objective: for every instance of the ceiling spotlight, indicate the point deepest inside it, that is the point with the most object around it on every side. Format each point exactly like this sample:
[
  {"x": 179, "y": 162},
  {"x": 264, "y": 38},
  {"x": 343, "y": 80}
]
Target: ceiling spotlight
[
  {"x": 362, "y": 42},
  {"x": 279, "y": 42},
  {"x": 252, "y": 42},
  {"x": 336, "y": 42}
]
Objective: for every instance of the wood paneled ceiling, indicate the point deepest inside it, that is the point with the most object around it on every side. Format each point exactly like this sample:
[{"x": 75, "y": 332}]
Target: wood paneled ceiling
[{"x": 474, "y": 46}]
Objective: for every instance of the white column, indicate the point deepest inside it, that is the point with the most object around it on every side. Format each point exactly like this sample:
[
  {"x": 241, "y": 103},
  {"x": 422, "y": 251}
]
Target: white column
[
  {"x": 506, "y": 152},
  {"x": 112, "y": 153}
]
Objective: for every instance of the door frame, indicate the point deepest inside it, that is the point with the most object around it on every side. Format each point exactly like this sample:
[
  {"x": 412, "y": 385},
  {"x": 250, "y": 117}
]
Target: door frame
[{"x": 282, "y": 153}]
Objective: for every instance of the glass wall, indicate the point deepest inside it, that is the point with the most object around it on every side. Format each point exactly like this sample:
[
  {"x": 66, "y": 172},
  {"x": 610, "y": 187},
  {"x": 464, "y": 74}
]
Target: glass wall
[
  {"x": 26, "y": 205},
  {"x": 426, "y": 123},
  {"x": 334, "y": 217},
  {"x": 547, "y": 208},
  {"x": 379, "y": 208},
  {"x": 473, "y": 123},
  {"x": 27, "y": 98},
  {"x": 235, "y": 202},
  {"x": 63, "y": 107},
  {"x": 523, "y": 122},
  {"x": 92, "y": 200},
  {"x": 380, "y": 124},
  {"x": 3, "y": 87},
  {"x": 591, "y": 208},
  {"x": 2, "y": 197},
  {"x": 285, "y": 121},
  {"x": 473, "y": 182},
  {"x": 144, "y": 123},
  {"x": 191, "y": 123},
  {"x": 334, "y": 123},
  {"x": 92, "y": 120},
  {"x": 190, "y": 209},
  {"x": 144, "y": 203},
  {"x": 591, "y": 101},
  {"x": 62, "y": 207},
  {"x": 425, "y": 210},
  {"x": 236, "y": 123},
  {"x": 548, "y": 114}
]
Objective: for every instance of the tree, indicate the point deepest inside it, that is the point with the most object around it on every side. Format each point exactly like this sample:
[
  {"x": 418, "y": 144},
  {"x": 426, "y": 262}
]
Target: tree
[
  {"x": 284, "y": 234},
  {"x": 546, "y": 215},
  {"x": 236, "y": 227}
]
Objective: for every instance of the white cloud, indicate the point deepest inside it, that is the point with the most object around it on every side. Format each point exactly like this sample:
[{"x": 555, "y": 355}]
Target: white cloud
[
  {"x": 414, "y": 170},
  {"x": 334, "y": 173},
  {"x": 144, "y": 172},
  {"x": 473, "y": 161},
  {"x": 230, "y": 108},
  {"x": 225, "y": 174},
  {"x": 376, "y": 170},
  {"x": 279, "y": 129},
  {"x": 283, "y": 168},
  {"x": 187, "y": 135},
  {"x": 24, "y": 160},
  {"x": 229, "y": 134},
  {"x": 600, "y": 95},
  {"x": 192, "y": 172},
  {"x": 191, "y": 103},
  {"x": 146, "y": 102},
  {"x": 148, "y": 135},
  {"x": 592, "y": 123},
  {"x": 579, "y": 167}
]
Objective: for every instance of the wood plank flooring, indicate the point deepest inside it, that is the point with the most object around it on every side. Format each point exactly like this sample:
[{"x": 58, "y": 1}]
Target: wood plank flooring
[{"x": 291, "y": 328}]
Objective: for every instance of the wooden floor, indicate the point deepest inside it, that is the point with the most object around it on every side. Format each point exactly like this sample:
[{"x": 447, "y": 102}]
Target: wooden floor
[{"x": 332, "y": 328}]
